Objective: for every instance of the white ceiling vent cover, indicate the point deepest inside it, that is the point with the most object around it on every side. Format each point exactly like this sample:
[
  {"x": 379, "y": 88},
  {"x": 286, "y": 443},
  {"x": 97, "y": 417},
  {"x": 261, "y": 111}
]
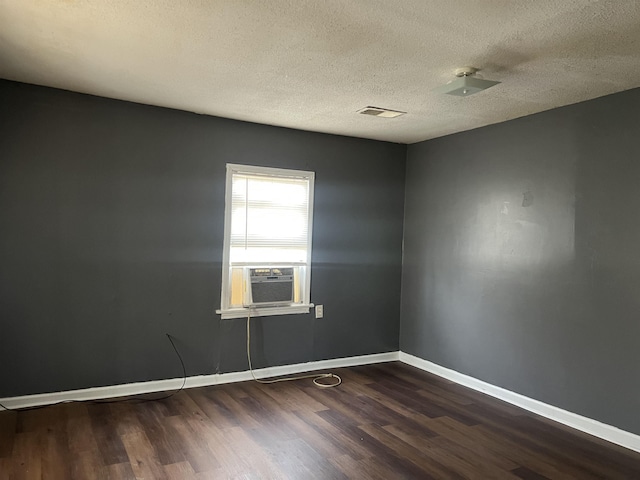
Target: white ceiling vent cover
[{"x": 380, "y": 112}]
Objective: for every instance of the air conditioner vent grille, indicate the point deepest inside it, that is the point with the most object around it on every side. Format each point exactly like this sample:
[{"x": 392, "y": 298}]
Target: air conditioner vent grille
[
  {"x": 380, "y": 112},
  {"x": 270, "y": 286}
]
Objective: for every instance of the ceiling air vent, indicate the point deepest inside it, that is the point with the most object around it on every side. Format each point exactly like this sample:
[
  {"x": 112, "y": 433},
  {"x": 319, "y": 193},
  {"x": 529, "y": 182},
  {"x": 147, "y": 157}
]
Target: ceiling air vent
[{"x": 380, "y": 112}]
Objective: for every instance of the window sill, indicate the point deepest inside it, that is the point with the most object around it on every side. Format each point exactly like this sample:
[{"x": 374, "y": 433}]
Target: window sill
[{"x": 264, "y": 311}]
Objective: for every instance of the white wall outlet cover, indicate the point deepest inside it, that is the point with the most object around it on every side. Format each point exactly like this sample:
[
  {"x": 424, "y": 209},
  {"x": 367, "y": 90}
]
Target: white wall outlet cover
[{"x": 319, "y": 311}]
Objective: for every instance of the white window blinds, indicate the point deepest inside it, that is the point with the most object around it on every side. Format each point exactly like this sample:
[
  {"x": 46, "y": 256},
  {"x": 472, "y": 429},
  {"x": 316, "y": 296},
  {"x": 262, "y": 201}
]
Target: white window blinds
[{"x": 270, "y": 219}]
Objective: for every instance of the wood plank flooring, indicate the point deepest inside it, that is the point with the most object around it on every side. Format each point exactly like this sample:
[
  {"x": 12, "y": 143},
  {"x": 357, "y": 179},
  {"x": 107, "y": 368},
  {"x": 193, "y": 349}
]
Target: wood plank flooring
[{"x": 386, "y": 421}]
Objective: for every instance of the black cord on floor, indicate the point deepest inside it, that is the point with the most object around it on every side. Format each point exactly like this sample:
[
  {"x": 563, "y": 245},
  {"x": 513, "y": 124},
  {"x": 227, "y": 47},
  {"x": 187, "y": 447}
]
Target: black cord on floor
[{"x": 135, "y": 398}]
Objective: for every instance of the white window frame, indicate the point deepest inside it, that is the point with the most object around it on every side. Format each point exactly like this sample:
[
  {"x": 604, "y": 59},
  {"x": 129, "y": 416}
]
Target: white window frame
[{"x": 228, "y": 312}]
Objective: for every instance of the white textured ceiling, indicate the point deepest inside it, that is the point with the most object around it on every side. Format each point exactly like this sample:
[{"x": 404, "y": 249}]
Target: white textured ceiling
[{"x": 312, "y": 64}]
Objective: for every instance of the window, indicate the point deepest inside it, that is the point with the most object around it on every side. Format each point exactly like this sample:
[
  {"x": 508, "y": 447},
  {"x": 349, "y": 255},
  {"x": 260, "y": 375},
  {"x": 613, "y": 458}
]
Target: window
[{"x": 267, "y": 241}]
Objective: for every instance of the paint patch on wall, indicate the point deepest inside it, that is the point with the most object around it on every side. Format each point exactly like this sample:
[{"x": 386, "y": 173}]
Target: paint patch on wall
[{"x": 527, "y": 199}]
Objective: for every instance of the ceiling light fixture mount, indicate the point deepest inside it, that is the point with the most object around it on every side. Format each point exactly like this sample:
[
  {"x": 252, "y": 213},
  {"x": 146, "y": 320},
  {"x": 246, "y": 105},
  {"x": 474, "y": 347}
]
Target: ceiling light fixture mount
[
  {"x": 466, "y": 83},
  {"x": 465, "y": 71}
]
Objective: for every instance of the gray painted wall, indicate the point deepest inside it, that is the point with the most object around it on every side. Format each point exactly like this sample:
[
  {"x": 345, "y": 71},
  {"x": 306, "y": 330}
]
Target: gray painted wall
[
  {"x": 521, "y": 264},
  {"x": 111, "y": 216}
]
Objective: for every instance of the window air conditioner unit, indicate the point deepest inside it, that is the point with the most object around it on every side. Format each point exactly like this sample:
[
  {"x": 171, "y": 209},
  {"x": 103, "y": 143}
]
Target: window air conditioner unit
[{"x": 269, "y": 286}]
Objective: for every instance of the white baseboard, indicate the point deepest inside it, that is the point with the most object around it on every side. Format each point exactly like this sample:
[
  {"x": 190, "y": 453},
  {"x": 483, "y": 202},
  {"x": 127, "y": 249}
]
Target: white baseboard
[
  {"x": 99, "y": 393},
  {"x": 584, "y": 424}
]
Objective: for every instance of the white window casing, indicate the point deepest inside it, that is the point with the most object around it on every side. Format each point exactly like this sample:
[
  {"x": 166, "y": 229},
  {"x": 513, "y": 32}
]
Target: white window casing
[{"x": 268, "y": 223}]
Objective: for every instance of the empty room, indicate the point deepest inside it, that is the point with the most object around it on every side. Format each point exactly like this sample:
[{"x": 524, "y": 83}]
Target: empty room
[{"x": 319, "y": 239}]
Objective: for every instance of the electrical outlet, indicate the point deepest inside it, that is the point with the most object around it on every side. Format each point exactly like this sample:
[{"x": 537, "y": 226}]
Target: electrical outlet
[{"x": 319, "y": 311}]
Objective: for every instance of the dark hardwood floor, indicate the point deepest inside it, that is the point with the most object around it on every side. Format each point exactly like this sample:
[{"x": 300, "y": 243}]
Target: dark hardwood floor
[{"x": 386, "y": 421}]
